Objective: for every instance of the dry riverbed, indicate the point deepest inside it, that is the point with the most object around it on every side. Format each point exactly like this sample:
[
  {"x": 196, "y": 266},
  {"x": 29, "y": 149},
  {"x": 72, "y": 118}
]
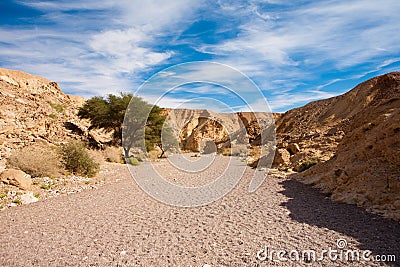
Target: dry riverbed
[{"x": 117, "y": 224}]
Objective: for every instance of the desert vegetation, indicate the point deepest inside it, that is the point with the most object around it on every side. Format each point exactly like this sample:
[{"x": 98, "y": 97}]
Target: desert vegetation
[
  {"x": 76, "y": 159},
  {"x": 37, "y": 160},
  {"x": 142, "y": 121},
  {"x": 43, "y": 160}
]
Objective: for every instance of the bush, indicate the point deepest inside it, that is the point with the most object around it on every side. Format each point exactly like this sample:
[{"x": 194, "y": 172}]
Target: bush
[
  {"x": 154, "y": 155},
  {"x": 53, "y": 116},
  {"x": 113, "y": 154},
  {"x": 76, "y": 159},
  {"x": 139, "y": 158},
  {"x": 134, "y": 161},
  {"x": 308, "y": 163},
  {"x": 36, "y": 160},
  {"x": 58, "y": 107},
  {"x": 97, "y": 155}
]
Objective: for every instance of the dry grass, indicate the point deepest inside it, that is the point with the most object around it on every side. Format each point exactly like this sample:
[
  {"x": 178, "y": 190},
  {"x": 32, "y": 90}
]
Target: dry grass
[
  {"x": 154, "y": 154},
  {"x": 97, "y": 155},
  {"x": 36, "y": 160},
  {"x": 113, "y": 154}
]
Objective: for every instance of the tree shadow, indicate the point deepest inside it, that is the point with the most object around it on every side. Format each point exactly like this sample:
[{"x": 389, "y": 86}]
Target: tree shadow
[{"x": 309, "y": 205}]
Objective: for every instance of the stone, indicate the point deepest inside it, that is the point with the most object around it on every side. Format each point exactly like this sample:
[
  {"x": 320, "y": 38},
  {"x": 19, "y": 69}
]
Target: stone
[
  {"x": 282, "y": 156},
  {"x": 17, "y": 178},
  {"x": 28, "y": 198},
  {"x": 293, "y": 148}
]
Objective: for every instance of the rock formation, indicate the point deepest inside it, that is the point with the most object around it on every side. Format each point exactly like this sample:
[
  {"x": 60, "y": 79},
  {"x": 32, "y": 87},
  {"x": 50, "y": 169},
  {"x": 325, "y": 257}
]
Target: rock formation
[
  {"x": 365, "y": 167},
  {"x": 34, "y": 109},
  {"x": 353, "y": 140},
  {"x": 16, "y": 178},
  {"x": 194, "y": 126}
]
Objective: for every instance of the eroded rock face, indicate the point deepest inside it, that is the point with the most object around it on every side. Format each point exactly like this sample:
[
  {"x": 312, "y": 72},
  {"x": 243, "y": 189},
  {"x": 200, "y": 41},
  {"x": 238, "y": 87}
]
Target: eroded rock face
[
  {"x": 16, "y": 178},
  {"x": 195, "y": 126},
  {"x": 365, "y": 169},
  {"x": 202, "y": 129},
  {"x": 34, "y": 109}
]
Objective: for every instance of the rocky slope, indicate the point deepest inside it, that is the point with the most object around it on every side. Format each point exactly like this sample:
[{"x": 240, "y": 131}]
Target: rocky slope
[
  {"x": 365, "y": 167},
  {"x": 195, "y": 126},
  {"x": 35, "y": 110},
  {"x": 355, "y": 136}
]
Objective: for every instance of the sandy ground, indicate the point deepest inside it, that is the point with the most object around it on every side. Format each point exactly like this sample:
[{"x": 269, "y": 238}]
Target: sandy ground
[{"x": 119, "y": 225}]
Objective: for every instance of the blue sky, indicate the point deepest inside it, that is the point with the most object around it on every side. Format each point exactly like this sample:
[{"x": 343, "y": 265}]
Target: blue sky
[{"x": 295, "y": 51}]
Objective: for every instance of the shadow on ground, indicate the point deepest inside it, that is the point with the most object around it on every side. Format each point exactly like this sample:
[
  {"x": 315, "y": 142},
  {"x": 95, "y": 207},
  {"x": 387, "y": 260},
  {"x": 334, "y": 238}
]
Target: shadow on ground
[{"x": 309, "y": 205}]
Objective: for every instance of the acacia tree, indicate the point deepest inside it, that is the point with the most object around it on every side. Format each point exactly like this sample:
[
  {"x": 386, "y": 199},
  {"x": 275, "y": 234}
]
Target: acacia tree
[
  {"x": 130, "y": 118},
  {"x": 158, "y": 133},
  {"x": 137, "y": 118},
  {"x": 106, "y": 113}
]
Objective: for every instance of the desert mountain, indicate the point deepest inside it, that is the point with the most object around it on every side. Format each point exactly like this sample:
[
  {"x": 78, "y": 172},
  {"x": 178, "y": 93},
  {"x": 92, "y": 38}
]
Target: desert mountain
[
  {"x": 195, "y": 126},
  {"x": 34, "y": 109},
  {"x": 364, "y": 169},
  {"x": 355, "y": 136}
]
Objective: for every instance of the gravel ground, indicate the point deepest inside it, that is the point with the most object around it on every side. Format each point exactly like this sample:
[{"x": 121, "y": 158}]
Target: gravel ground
[
  {"x": 118, "y": 224},
  {"x": 48, "y": 187}
]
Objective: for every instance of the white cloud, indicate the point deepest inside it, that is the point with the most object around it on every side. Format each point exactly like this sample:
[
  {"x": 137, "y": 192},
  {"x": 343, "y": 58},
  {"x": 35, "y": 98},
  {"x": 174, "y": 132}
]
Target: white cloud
[
  {"x": 124, "y": 51},
  {"x": 111, "y": 45},
  {"x": 340, "y": 33},
  {"x": 98, "y": 52},
  {"x": 281, "y": 102},
  {"x": 67, "y": 5}
]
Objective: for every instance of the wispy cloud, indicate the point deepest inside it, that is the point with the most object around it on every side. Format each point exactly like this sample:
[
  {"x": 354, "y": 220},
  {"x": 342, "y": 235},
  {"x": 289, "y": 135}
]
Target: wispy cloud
[
  {"x": 333, "y": 35},
  {"x": 295, "y": 51},
  {"x": 113, "y": 42}
]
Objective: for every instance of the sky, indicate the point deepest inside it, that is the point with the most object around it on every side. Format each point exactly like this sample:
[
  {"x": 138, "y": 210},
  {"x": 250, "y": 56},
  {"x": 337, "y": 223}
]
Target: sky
[{"x": 294, "y": 51}]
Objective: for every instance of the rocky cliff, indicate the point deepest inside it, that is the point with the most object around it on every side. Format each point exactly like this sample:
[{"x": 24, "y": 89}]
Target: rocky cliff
[
  {"x": 195, "y": 126},
  {"x": 364, "y": 169},
  {"x": 353, "y": 140},
  {"x": 34, "y": 109}
]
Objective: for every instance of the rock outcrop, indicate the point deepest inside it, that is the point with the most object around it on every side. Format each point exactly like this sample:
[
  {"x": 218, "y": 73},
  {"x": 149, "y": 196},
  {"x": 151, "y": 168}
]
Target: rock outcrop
[
  {"x": 193, "y": 127},
  {"x": 34, "y": 109},
  {"x": 364, "y": 169},
  {"x": 16, "y": 178}
]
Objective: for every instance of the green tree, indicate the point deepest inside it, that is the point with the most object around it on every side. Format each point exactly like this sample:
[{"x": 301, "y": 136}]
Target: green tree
[
  {"x": 132, "y": 120},
  {"x": 158, "y": 133},
  {"x": 107, "y": 113}
]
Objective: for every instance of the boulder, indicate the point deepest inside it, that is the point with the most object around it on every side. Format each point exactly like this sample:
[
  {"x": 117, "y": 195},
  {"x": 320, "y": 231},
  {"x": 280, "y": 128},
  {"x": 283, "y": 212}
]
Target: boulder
[
  {"x": 293, "y": 148},
  {"x": 17, "y": 178},
  {"x": 282, "y": 156},
  {"x": 28, "y": 198}
]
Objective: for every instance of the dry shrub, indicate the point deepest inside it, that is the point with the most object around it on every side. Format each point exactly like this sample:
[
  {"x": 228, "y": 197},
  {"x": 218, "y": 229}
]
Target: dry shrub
[
  {"x": 226, "y": 151},
  {"x": 133, "y": 161},
  {"x": 97, "y": 155},
  {"x": 38, "y": 160},
  {"x": 76, "y": 159},
  {"x": 306, "y": 164},
  {"x": 113, "y": 154},
  {"x": 154, "y": 154}
]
